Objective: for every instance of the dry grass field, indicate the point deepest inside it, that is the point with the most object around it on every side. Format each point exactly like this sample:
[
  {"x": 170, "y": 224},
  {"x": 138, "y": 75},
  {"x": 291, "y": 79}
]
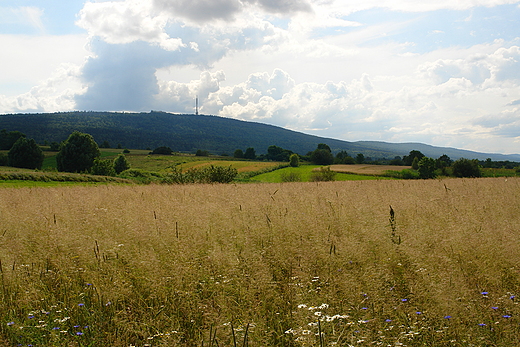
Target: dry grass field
[
  {"x": 365, "y": 169},
  {"x": 360, "y": 263}
]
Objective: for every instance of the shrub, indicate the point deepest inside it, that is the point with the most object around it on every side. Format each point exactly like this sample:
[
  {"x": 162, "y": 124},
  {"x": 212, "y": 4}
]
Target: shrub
[
  {"x": 294, "y": 160},
  {"x": 163, "y": 150},
  {"x": 426, "y": 167},
  {"x": 26, "y": 153},
  {"x": 103, "y": 168},
  {"x": 324, "y": 174},
  {"x": 77, "y": 153},
  {"x": 121, "y": 164},
  {"x": 466, "y": 168},
  {"x": 201, "y": 153},
  {"x": 238, "y": 154},
  {"x": 3, "y": 159},
  {"x": 290, "y": 177}
]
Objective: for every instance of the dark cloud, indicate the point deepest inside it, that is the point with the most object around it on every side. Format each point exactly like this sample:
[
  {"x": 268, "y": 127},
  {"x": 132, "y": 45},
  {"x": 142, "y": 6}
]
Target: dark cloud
[
  {"x": 282, "y": 6},
  {"x": 201, "y": 10},
  {"x": 208, "y": 10}
]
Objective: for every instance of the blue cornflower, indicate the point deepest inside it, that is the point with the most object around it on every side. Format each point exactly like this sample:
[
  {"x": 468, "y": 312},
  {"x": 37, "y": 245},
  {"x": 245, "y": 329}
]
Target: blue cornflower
[
  {"x": 484, "y": 293},
  {"x": 404, "y": 300},
  {"x": 31, "y": 317},
  {"x": 364, "y": 308},
  {"x": 81, "y": 304},
  {"x": 56, "y": 328},
  {"x": 447, "y": 317},
  {"x": 388, "y": 320},
  {"x": 418, "y": 312},
  {"x": 481, "y": 324},
  {"x": 10, "y": 323},
  {"x": 512, "y": 297},
  {"x": 79, "y": 333},
  {"x": 506, "y": 316},
  {"x": 76, "y": 326},
  {"x": 494, "y": 307}
]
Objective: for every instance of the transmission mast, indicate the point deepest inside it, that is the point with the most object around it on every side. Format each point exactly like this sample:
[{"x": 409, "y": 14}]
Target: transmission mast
[{"x": 197, "y": 105}]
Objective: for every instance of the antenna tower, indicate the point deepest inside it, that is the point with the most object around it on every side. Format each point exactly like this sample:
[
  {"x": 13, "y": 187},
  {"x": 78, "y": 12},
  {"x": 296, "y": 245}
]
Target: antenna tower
[{"x": 197, "y": 105}]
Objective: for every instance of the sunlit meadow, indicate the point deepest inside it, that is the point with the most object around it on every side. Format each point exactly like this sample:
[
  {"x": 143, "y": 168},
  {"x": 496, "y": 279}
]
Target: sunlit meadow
[{"x": 361, "y": 263}]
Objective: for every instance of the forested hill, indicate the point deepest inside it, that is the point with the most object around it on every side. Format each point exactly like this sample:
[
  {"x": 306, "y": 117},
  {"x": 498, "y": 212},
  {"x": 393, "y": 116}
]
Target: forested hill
[{"x": 187, "y": 133}]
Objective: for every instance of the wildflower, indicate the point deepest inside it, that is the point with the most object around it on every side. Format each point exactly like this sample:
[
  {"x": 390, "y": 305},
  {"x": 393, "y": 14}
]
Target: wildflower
[
  {"x": 404, "y": 300},
  {"x": 512, "y": 297},
  {"x": 494, "y": 307},
  {"x": 31, "y": 317},
  {"x": 447, "y": 317},
  {"x": 56, "y": 328},
  {"x": 81, "y": 304},
  {"x": 79, "y": 333},
  {"x": 364, "y": 308},
  {"x": 76, "y": 326},
  {"x": 481, "y": 324},
  {"x": 388, "y": 320},
  {"x": 10, "y": 323},
  {"x": 484, "y": 293},
  {"x": 323, "y": 306},
  {"x": 506, "y": 316},
  {"x": 302, "y": 306}
]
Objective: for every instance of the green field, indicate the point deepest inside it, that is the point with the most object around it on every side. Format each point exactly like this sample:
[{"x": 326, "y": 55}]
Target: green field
[{"x": 360, "y": 263}]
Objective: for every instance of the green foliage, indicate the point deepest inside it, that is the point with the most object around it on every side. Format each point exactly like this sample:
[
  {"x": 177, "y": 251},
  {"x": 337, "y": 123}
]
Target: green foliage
[
  {"x": 294, "y": 160},
  {"x": 426, "y": 168},
  {"x": 443, "y": 161},
  {"x": 55, "y": 146},
  {"x": 4, "y": 160},
  {"x": 126, "y": 151},
  {"x": 201, "y": 153},
  {"x": 290, "y": 176},
  {"x": 324, "y": 174},
  {"x": 7, "y": 139},
  {"x": 211, "y": 174},
  {"x": 162, "y": 150},
  {"x": 406, "y": 174},
  {"x": 105, "y": 144},
  {"x": 342, "y": 157},
  {"x": 466, "y": 168},
  {"x": 77, "y": 153},
  {"x": 250, "y": 153},
  {"x": 121, "y": 164},
  {"x": 276, "y": 153},
  {"x": 238, "y": 154},
  {"x": 408, "y": 159},
  {"x": 103, "y": 167},
  {"x": 396, "y": 161},
  {"x": 25, "y": 153},
  {"x": 415, "y": 163},
  {"x": 360, "y": 158},
  {"x": 321, "y": 157},
  {"x": 324, "y": 146}
]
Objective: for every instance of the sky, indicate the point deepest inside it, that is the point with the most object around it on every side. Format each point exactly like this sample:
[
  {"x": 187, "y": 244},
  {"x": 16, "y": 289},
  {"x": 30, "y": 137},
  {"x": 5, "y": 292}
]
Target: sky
[{"x": 444, "y": 73}]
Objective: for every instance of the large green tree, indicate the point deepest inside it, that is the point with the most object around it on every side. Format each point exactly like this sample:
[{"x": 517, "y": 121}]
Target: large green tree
[
  {"x": 121, "y": 164},
  {"x": 26, "y": 153},
  {"x": 466, "y": 168},
  {"x": 322, "y": 155},
  {"x": 78, "y": 153},
  {"x": 7, "y": 139}
]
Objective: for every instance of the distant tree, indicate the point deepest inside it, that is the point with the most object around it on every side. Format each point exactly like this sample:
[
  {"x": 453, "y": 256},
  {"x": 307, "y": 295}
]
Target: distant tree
[
  {"x": 105, "y": 144},
  {"x": 294, "y": 160},
  {"x": 324, "y": 146},
  {"x": 120, "y": 164},
  {"x": 415, "y": 163},
  {"x": 77, "y": 153},
  {"x": 466, "y": 168},
  {"x": 4, "y": 160},
  {"x": 342, "y": 157},
  {"x": 238, "y": 154},
  {"x": 7, "y": 139},
  {"x": 360, "y": 158},
  {"x": 443, "y": 161},
  {"x": 408, "y": 159},
  {"x": 426, "y": 167},
  {"x": 103, "y": 167},
  {"x": 126, "y": 151},
  {"x": 321, "y": 157},
  {"x": 276, "y": 153},
  {"x": 26, "y": 153},
  {"x": 396, "y": 161},
  {"x": 201, "y": 153},
  {"x": 250, "y": 153},
  {"x": 162, "y": 150},
  {"x": 55, "y": 146}
]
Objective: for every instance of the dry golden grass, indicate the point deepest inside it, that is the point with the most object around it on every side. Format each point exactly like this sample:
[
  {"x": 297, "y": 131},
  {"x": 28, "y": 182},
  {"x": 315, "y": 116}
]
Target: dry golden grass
[
  {"x": 364, "y": 169},
  {"x": 170, "y": 265}
]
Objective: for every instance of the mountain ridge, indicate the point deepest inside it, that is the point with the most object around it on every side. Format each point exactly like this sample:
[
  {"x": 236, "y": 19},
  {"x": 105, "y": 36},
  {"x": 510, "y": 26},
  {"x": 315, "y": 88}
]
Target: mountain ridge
[{"x": 189, "y": 132}]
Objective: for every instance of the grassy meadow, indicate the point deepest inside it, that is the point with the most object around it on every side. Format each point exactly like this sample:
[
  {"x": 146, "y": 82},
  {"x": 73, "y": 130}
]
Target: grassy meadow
[{"x": 359, "y": 263}]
